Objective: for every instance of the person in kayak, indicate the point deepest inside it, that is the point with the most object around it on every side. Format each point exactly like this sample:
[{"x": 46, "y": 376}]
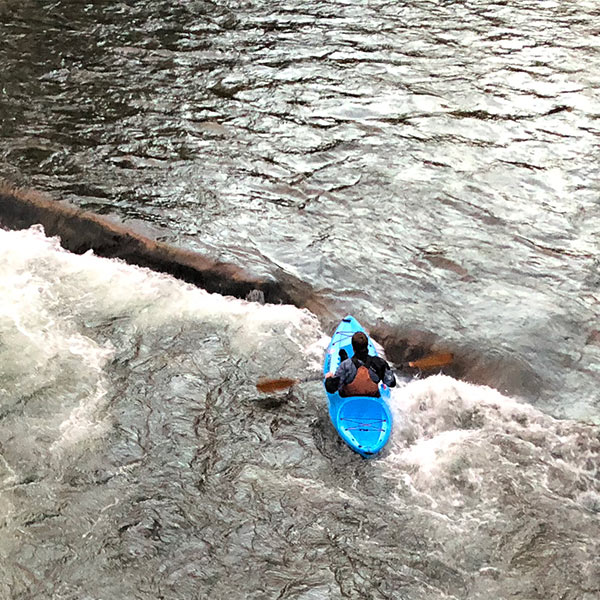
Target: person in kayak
[{"x": 360, "y": 375}]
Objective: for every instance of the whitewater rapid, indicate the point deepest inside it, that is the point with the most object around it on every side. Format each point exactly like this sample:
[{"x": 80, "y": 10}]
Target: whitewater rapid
[{"x": 138, "y": 460}]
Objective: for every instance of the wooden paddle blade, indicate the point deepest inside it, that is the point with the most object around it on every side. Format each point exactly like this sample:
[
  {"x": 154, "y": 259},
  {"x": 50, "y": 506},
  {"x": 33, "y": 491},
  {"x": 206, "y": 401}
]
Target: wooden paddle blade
[
  {"x": 433, "y": 361},
  {"x": 275, "y": 385}
]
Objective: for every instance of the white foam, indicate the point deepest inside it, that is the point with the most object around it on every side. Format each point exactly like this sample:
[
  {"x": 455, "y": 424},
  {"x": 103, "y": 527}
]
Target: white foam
[
  {"x": 52, "y": 299},
  {"x": 456, "y": 444},
  {"x": 590, "y": 501}
]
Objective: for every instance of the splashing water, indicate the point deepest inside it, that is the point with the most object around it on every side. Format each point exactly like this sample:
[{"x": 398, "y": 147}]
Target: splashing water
[{"x": 136, "y": 458}]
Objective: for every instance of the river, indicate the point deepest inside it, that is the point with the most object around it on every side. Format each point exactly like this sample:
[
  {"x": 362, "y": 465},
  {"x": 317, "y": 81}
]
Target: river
[{"x": 429, "y": 167}]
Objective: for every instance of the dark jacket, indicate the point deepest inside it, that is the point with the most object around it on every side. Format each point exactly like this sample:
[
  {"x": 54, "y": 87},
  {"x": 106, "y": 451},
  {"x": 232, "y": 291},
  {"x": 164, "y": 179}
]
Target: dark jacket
[{"x": 379, "y": 370}]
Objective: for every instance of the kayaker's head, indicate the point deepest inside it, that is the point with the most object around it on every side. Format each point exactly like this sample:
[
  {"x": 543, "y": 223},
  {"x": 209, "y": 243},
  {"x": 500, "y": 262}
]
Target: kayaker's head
[{"x": 360, "y": 343}]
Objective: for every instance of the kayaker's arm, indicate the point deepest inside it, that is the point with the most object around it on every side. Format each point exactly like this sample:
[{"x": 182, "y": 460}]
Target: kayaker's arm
[
  {"x": 343, "y": 375},
  {"x": 383, "y": 371},
  {"x": 389, "y": 378}
]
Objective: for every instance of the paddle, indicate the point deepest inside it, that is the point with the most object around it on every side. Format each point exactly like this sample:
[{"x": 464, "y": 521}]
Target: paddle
[
  {"x": 432, "y": 361},
  {"x": 276, "y": 385}
]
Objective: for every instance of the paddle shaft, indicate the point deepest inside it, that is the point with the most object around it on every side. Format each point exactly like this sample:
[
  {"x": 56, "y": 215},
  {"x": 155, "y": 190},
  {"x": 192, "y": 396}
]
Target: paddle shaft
[{"x": 273, "y": 385}]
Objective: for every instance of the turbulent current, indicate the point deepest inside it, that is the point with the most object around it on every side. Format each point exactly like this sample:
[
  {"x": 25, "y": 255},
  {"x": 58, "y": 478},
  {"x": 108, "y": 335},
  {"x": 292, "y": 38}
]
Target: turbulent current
[
  {"x": 138, "y": 460},
  {"x": 431, "y": 168}
]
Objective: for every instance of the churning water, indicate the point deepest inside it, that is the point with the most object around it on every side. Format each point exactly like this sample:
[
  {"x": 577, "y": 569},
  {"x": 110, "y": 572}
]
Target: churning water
[
  {"x": 429, "y": 167},
  {"x": 139, "y": 461}
]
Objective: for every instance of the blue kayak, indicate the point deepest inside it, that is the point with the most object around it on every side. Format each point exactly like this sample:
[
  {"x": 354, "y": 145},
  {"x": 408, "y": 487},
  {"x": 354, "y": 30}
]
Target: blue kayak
[{"x": 363, "y": 422}]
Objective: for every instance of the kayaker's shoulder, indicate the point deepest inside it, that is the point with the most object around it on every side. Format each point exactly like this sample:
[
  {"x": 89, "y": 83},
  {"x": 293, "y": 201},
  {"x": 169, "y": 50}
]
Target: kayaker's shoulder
[{"x": 377, "y": 361}]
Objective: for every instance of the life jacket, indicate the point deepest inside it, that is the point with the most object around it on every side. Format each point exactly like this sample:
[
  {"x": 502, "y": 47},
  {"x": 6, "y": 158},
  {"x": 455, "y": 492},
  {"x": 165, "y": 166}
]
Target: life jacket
[{"x": 362, "y": 384}]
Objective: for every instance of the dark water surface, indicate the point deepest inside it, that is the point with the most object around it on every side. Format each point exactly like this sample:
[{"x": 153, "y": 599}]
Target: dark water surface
[
  {"x": 425, "y": 166},
  {"x": 430, "y": 165}
]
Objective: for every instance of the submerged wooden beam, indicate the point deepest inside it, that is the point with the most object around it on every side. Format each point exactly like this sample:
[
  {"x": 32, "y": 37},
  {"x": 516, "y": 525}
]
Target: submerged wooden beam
[{"x": 80, "y": 231}]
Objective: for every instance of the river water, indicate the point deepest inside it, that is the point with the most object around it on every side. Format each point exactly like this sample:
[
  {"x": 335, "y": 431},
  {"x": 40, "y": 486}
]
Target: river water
[{"x": 429, "y": 167}]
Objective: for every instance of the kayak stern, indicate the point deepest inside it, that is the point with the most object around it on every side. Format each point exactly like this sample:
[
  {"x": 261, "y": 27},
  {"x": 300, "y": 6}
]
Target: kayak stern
[{"x": 364, "y": 423}]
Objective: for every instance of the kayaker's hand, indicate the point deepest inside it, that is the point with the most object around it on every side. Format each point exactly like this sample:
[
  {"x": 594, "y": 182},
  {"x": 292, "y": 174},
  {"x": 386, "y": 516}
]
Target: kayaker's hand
[{"x": 332, "y": 383}]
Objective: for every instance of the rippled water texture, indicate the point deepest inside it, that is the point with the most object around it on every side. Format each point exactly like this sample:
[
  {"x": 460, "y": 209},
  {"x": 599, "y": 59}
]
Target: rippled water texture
[
  {"x": 137, "y": 460},
  {"x": 426, "y": 165},
  {"x": 429, "y": 164}
]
